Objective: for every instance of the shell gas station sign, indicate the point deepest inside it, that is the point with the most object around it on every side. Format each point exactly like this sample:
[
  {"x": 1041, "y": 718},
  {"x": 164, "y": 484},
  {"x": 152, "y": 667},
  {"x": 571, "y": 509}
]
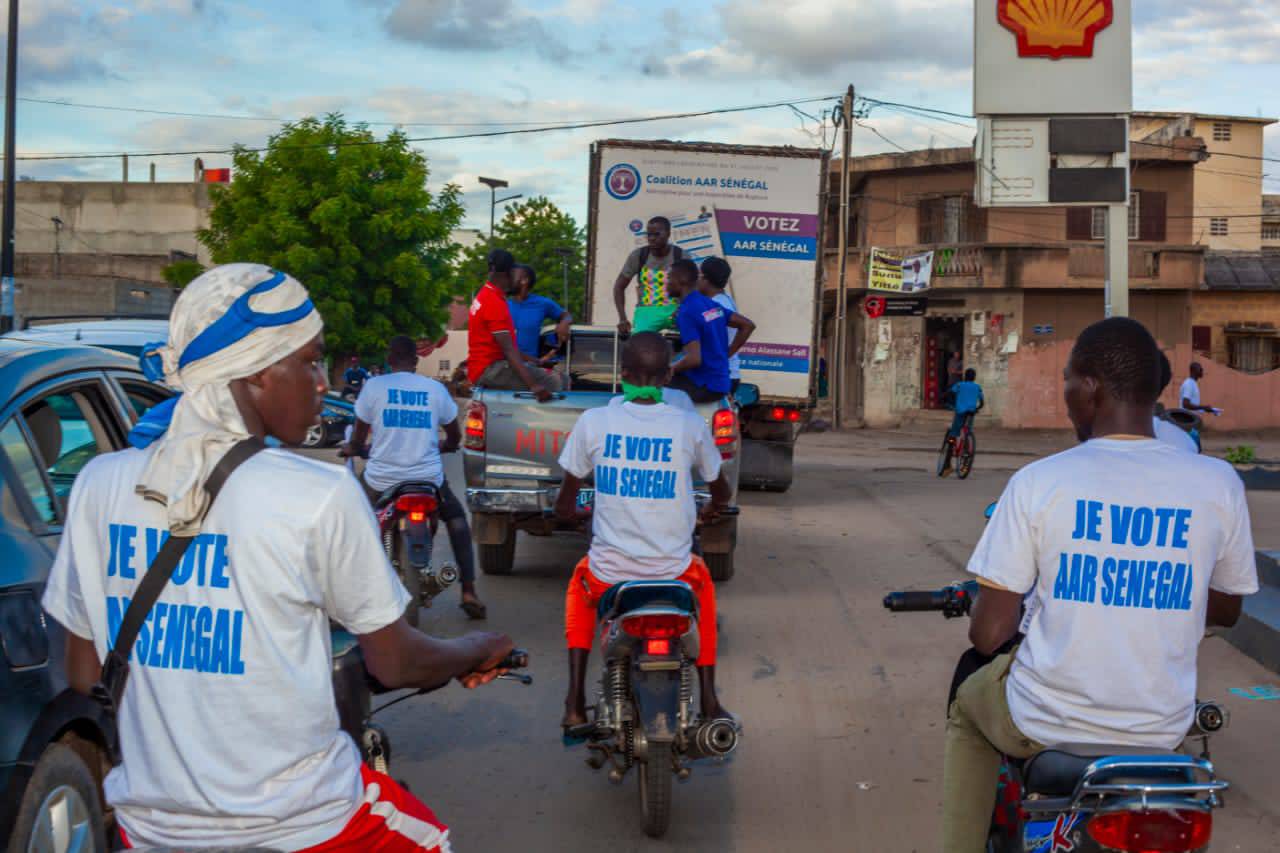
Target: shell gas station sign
[{"x": 1053, "y": 57}]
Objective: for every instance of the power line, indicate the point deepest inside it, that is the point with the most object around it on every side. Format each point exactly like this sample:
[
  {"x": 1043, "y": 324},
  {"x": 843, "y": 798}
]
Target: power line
[
  {"x": 444, "y": 138},
  {"x": 277, "y": 119}
]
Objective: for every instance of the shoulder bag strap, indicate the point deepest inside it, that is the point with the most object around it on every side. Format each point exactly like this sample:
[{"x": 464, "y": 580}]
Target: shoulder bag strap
[{"x": 115, "y": 669}]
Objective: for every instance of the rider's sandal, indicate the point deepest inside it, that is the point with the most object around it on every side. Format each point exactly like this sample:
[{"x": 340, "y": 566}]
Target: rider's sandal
[
  {"x": 475, "y": 610},
  {"x": 575, "y": 735}
]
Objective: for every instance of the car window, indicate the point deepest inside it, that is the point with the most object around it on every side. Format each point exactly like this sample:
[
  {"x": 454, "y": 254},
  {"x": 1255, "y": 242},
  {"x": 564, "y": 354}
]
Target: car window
[
  {"x": 142, "y": 395},
  {"x": 68, "y": 433},
  {"x": 28, "y": 470}
]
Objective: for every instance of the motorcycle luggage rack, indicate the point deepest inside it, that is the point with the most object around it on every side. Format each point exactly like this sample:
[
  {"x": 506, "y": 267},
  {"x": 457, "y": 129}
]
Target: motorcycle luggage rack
[{"x": 1092, "y": 784}]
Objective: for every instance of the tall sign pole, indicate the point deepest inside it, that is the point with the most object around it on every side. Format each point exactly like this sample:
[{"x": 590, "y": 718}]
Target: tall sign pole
[
  {"x": 1117, "y": 284},
  {"x": 6, "y": 226},
  {"x": 842, "y": 285}
]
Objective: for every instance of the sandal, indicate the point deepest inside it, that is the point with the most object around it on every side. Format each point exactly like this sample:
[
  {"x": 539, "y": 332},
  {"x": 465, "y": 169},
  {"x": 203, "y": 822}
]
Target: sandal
[{"x": 475, "y": 610}]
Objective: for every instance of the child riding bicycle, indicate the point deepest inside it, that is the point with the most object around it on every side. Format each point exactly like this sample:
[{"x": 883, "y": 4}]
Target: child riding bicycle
[{"x": 967, "y": 400}]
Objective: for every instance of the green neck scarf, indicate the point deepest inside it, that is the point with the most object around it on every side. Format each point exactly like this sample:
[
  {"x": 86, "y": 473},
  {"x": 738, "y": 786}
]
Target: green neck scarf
[{"x": 631, "y": 393}]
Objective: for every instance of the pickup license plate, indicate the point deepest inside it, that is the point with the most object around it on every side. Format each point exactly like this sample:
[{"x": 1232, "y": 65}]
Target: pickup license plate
[{"x": 586, "y": 498}]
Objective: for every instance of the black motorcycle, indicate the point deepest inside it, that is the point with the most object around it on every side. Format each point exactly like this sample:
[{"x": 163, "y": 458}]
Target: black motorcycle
[{"x": 1094, "y": 798}]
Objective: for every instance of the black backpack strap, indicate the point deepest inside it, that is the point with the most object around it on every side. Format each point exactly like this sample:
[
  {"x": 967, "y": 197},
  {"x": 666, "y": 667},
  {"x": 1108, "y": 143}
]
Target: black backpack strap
[
  {"x": 644, "y": 256},
  {"x": 115, "y": 669},
  {"x": 677, "y": 254}
]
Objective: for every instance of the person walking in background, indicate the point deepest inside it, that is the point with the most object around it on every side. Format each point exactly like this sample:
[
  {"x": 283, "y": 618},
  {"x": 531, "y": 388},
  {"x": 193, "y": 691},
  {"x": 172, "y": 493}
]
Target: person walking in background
[
  {"x": 1189, "y": 395},
  {"x": 955, "y": 369}
]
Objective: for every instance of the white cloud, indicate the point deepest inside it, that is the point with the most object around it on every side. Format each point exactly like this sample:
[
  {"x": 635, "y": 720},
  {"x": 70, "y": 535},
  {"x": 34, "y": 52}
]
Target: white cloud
[
  {"x": 472, "y": 25},
  {"x": 817, "y": 37}
]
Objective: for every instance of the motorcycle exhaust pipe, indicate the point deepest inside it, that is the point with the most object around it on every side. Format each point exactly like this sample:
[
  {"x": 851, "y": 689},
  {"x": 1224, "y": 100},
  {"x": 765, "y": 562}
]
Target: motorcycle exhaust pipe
[
  {"x": 713, "y": 739},
  {"x": 1210, "y": 717},
  {"x": 434, "y": 583}
]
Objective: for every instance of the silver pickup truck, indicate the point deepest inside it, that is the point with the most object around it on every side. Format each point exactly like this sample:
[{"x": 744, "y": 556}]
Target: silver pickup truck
[{"x": 512, "y": 446}]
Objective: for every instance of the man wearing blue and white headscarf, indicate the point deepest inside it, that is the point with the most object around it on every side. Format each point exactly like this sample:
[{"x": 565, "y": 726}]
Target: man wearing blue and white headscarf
[{"x": 228, "y": 731}]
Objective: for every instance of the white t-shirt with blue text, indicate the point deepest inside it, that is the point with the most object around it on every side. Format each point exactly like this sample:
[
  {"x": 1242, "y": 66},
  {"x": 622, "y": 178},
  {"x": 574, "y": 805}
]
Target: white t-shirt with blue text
[
  {"x": 1174, "y": 435},
  {"x": 228, "y": 728},
  {"x": 1121, "y": 554},
  {"x": 405, "y": 412},
  {"x": 642, "y": 458}
]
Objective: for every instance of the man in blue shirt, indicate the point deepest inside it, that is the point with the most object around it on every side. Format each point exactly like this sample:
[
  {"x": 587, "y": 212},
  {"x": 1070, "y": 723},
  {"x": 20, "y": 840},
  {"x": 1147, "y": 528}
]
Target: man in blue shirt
[
  {"x": 703, "y": 369},
  {"x": 530, "y": 310},
  {"x": 968, "y": 400}
]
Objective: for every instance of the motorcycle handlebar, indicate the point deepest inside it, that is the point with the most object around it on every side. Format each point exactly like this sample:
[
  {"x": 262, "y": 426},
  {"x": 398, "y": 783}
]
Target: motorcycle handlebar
[
  {"x": 915, "y": 602},
  {"x": 516, "y": 659}
]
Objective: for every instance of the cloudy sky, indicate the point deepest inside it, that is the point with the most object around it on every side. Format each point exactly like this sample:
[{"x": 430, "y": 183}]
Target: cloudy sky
[{"x": 446, "y": 67}]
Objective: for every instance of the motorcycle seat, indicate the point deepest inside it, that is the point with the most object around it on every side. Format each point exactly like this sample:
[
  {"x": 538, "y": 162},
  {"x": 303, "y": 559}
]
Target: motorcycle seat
[
  {"x": 1055, "y": 772},
  {"x": 411, "y": 487},
  {"x": 622, "y": 598}
]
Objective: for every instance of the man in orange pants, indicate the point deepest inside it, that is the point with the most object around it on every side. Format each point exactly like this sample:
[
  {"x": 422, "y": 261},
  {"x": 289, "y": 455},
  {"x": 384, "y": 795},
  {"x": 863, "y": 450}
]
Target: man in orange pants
[{"x": 641, "y": 454}]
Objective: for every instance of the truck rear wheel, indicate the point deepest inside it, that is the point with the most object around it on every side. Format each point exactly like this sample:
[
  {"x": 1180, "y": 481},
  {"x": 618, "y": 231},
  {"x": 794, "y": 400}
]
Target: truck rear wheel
[
  {"x": 499, "y": 558},
  {"x": 720, "y": 566}
]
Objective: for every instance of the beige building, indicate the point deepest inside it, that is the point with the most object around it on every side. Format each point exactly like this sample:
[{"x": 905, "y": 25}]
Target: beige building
[
  {"x": 1271, "y": 223},
  {"x": 1228, "y": 185}
]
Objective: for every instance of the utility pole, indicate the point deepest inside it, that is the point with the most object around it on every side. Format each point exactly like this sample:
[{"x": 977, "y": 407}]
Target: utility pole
[
  {"x": 842, "y": 286},
  {"x": 10, "y": 203},
  {"x": 57, "y": 246}
]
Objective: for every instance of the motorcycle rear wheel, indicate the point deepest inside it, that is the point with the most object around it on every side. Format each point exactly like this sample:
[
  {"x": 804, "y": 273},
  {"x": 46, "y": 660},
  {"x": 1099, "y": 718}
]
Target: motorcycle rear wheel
[{"x": 655, "y": 789}]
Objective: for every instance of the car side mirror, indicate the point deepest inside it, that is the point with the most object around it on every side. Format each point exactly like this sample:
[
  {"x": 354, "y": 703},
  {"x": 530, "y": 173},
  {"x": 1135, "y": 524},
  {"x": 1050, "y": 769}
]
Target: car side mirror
[{"x": 989, "y": 511}]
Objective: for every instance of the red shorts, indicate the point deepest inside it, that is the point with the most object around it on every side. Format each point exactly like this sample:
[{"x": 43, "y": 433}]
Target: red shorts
[{"x": 389, "y": 820}]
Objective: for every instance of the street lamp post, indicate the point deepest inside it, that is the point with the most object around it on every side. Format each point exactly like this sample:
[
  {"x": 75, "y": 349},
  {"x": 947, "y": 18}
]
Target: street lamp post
[
  {"x": 7, "y": 296},
  {"x": 494, "y": 184}
]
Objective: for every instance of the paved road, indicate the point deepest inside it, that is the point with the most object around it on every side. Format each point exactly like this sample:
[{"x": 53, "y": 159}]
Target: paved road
[{"x": 842, "y": 702}]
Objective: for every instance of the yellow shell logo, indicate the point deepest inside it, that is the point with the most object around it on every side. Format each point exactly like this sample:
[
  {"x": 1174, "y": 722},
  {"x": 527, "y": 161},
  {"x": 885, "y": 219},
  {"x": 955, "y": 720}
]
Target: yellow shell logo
[{"x": 1055, "y": 28}]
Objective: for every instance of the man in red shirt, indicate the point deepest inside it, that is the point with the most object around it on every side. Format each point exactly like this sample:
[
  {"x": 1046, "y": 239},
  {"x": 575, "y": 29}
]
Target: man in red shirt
[{"x": 493, "y": 361}]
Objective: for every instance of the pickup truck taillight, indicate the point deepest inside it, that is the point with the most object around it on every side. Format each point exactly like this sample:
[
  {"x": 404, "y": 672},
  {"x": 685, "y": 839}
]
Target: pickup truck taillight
[
  {"x": 784, "y": 415},
  {"x": 724, "y": 426},
  {"x": 477, "y": 416}
]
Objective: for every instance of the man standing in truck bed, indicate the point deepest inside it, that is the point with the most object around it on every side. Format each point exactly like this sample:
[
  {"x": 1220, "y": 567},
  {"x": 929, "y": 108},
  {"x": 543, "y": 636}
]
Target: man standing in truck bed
[{"x": 649, "y": 265}]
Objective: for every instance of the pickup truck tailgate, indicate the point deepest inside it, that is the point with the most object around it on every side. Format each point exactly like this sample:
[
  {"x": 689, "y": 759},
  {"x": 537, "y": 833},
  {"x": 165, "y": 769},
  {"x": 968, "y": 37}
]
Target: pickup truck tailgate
[{"x": 523, "y": 439}]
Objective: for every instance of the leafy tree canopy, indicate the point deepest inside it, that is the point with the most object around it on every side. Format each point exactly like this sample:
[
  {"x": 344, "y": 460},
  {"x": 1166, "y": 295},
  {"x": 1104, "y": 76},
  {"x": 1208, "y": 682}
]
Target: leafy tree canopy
[
  {"x": 532, "y": 231},
  {"x": 350, "y": 217}
]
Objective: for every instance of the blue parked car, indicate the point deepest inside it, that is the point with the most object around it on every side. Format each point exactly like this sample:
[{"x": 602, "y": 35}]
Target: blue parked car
[{"x": 60, "y": 405}]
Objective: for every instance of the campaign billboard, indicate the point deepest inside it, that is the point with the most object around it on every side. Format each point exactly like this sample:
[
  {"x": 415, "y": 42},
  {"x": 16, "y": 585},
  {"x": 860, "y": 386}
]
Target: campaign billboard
[{"x": 758, "y": 208}]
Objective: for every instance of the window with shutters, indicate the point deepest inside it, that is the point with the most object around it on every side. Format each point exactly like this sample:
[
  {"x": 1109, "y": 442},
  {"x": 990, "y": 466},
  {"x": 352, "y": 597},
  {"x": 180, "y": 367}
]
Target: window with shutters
[
  {"x": 1218, "y": 226},
  {"x": 1202, "y": 338},
  {"x": 1098, "y": 220},
  {"x": 1222, "y": 131},
  {"x": 950, "y": 219}
]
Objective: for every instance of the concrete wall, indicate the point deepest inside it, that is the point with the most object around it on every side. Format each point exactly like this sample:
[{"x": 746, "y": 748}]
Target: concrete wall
[
  {"x": 111, "y": 217},
  {"x": 40, "y": 297},
  {"x": 1218, "y": 308}
]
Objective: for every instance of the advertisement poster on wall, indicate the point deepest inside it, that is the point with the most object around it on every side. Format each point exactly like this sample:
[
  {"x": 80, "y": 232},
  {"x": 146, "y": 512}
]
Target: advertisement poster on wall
[
  {"x": 897, "y": 274},
  {"x": 758, "y": 211}
]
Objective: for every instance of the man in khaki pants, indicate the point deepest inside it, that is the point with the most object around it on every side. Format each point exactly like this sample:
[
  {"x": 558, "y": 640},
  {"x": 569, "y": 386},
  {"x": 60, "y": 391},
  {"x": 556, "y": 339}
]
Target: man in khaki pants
[{"x": 1127, "y": 565}]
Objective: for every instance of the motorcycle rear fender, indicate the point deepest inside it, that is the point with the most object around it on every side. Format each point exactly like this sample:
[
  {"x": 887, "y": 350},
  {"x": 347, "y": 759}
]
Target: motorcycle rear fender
[
  {"x": 416, "y": 538},
  {"x": 618, "y": 643},
  {"x": 657, "y": 696}
]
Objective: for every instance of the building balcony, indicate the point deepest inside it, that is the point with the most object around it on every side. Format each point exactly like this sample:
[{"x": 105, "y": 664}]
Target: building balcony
[{"x": 1156, "y": 266}]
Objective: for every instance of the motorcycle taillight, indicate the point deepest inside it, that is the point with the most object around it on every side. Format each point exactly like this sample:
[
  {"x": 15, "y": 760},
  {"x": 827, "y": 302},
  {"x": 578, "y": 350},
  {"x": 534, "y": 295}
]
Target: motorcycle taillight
[
  {"x": 724, "y": 426},
  {"x": 477, "y": 416},
  {"x": 417, "y": 507},
  {"x": 664, "y": 626},
  {"x": 657, "y": 648},
  {"x": 1164, "y": 831}
]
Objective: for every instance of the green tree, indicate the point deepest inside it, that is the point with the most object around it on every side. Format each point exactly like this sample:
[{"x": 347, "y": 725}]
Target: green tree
[
  {"x": 532, "y": 231},
  {"x": 351, "y": 218},
  {"x": 180, "y": 273}
]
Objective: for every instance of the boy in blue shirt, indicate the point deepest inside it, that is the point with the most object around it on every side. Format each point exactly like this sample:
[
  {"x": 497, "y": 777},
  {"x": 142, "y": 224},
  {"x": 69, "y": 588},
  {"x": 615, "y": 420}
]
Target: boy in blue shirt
[
  {"x": 703, "y": 369},
  {"x": 967, "y": 396},
  {"x": 530, "y": 310}
]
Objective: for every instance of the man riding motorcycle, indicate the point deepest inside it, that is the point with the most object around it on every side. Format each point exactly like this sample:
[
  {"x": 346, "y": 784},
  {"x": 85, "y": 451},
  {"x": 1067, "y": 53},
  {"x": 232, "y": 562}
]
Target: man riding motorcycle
[
  {"x": 1128, "y": 564},
  {"x": 404, "y": 412},
  {"x": 228, "y": 731},
  {"x": 641, "y": 454}
]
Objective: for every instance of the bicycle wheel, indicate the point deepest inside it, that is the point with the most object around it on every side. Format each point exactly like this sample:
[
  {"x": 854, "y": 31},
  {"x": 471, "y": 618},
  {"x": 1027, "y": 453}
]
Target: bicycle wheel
[
  {"x": 944, "y": 455},
  {"x": 968, "y": 448}
]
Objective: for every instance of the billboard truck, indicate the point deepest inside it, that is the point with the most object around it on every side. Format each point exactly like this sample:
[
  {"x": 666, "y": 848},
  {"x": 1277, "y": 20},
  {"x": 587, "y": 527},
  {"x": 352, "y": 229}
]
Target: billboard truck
[{"x": 760, "y": 208}]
